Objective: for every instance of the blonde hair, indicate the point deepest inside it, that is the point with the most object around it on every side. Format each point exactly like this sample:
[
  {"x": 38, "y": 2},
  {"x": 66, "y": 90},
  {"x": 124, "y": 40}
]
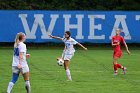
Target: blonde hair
[{"x": 18, "y": 38}]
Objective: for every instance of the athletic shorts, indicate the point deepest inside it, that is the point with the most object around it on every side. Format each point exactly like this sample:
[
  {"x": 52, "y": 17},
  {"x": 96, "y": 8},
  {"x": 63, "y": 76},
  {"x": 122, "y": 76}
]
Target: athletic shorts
[
  {"x": 23, "y": 70},
  {"x": 67, "y": 55},
  {"x": 117, "y": 54}
]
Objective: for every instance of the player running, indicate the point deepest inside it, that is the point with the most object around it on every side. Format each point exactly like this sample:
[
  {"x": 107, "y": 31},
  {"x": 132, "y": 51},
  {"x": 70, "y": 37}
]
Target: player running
[
  {"x": 116, "y": 41},
  {"x": 19, "y": 64},
  {"x": 68, "y": 51}
]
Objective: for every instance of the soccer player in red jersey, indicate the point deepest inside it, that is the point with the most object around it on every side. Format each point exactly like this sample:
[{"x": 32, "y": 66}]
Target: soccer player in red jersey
[{"x": 116, "y": 41}]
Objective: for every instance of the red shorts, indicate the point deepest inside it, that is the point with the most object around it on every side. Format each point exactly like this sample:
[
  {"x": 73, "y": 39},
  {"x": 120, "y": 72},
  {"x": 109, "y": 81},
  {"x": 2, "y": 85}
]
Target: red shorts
[{"x": 117, "y": 54}]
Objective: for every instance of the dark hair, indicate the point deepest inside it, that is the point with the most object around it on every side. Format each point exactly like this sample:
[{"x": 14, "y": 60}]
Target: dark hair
[
  {"x": 20, "y": 37},
  {"x": 68, "y": 32}
]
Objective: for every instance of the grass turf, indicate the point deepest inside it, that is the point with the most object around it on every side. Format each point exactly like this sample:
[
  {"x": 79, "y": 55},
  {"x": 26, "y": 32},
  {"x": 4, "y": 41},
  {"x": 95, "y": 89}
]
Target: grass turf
[{"x": 92, "y": 72}]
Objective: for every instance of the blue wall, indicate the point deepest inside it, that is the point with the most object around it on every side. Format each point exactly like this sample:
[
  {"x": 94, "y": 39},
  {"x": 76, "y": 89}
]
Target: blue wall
[{"x": 38, "y": 24}]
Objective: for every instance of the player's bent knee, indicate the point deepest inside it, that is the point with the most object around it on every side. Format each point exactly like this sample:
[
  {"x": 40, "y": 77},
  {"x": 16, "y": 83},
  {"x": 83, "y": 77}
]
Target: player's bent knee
[{"x": 26, "y": 76}]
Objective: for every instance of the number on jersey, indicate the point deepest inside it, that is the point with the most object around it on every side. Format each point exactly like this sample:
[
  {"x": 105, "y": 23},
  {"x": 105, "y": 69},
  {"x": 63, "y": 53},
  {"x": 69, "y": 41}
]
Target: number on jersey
[{"x": 16, "y": 51}]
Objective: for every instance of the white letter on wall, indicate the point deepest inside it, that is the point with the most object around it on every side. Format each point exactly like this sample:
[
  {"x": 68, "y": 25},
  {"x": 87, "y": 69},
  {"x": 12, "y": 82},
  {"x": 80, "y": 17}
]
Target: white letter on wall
[
  {"x": 92, "y": 26},
  {"x": 137, "y": 17},
  {"x": 120, "y": 19},
  {"x": 38, "y": 22},
  {"x": 77, "y": 26}
]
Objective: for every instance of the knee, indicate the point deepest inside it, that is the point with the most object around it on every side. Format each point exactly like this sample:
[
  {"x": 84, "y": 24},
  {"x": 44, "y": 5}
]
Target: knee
[
  {"x": 66, "y": 67},
  {"x": 66, "y": 63},
  {"x": 26, "y": 76}
]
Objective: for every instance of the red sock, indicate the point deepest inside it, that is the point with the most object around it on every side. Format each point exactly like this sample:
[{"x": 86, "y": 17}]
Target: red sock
[
  {"x": 115, "y": 68},
  {"x": 120, "y": 66}
]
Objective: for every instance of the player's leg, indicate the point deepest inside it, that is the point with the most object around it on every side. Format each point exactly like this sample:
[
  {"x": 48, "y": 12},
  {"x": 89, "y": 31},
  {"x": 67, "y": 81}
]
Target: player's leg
[
  {"x": 27, "y": 82},
  {"x": 115, "y": 60},
  {"x": 119, "y": 54},
  {"x": 66, "y": 58},
  {"x": 117, "y": 65},
  {"x": 15, "y": 76},
  {"x": 122, "y": 67},
  {"x": 66, "y": 64},
  {"x": 25, "y": 73}
]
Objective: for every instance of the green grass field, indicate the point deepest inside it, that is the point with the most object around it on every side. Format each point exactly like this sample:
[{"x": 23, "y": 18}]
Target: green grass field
[{"x": 92, "y": 72}]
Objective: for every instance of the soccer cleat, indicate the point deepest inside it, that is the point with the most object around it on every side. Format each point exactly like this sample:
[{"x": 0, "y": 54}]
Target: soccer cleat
[
  {"x": 115, "y": 74},
  {"x": 124, "y": 71},
  {"x": 69, "y": 78}
]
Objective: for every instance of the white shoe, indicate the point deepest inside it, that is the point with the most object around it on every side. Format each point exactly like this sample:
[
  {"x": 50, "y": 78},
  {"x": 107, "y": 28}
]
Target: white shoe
[
  {"x": 124, "y": 71},
  {"x": 115, "y": 74}
]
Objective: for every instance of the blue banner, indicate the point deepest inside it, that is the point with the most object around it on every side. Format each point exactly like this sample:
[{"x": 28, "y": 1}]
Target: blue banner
[{"x": 85, "y": 26}]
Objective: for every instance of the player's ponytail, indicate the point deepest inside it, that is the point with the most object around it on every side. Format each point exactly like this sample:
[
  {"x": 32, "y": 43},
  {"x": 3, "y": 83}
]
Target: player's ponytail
[{"x": 18, "y": 38}]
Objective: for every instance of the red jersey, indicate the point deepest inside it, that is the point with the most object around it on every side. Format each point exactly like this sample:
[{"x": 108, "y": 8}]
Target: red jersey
[{"x": 115, "y": 40}]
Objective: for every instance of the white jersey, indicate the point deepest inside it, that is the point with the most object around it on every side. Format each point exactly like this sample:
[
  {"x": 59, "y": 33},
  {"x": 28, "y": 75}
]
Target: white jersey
[
  {"x": 21, "y": 47},
  {"x": 69, "y": 45}
]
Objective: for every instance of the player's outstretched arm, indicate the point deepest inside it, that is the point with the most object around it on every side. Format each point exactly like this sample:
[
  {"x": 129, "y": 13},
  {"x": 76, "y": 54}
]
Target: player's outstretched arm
[
  {"x": 82, "y": 46},
  {"x": 59, "y": 38},
  {"x": 126, "y": 47}
]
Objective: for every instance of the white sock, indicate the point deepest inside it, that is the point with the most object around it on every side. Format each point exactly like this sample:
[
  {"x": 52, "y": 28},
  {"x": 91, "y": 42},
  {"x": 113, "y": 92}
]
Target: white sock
[
  {"x": 27, "y": 86},
  {"x": 10, "y": 86},
  {"x": 68, "y": 74}
]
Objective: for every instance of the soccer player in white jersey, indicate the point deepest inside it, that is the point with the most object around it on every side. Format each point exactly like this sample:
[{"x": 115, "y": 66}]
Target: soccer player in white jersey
[
  {"x": 19, "y": 64},
  {"x": 68, "y": 50}
]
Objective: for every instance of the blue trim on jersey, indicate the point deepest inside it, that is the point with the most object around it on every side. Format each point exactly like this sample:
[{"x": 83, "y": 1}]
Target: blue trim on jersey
[{"x": 14, "y": 78}]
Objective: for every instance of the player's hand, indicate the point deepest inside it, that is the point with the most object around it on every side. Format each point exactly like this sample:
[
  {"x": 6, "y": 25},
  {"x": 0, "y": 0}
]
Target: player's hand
[
  {"x": 19, "y": 66},
  {"x": 128, "y": 52},
  {"x": 85, "y": 49},
  {"x": 118, "y": 43},
  {"x": 50, "y": 36},
  {"x": 28, "y": 55}
]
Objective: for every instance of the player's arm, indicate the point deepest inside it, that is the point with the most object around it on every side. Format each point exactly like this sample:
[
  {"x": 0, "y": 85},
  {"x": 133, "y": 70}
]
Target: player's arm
[
  {"x": 59, "y": 38},
  {"x": 81, "y": 46},
  {"x": 113, "y": 43},
  {"x": 126, "y": 47},
  {"x": 20, "y": 59}
]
